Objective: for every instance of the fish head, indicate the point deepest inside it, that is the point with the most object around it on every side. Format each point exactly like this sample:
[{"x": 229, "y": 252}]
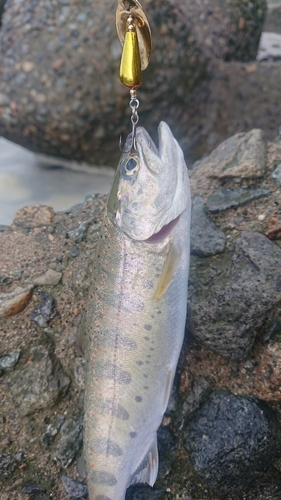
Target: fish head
[{"x": 151, "y": 187}]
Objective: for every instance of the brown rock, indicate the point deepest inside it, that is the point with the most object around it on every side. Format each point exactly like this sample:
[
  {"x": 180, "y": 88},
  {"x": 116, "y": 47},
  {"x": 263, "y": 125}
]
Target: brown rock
[{"x": 14, "y": 302}]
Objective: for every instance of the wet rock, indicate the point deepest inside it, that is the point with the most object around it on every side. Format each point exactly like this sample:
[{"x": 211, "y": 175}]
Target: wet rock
[
  {"x": 74, "y": 252},
  {"x": 39, "y": 384},
  {"x": 231, "y": 296},
  {"x": 12, "y": 303},
  {"x": 79, "y": 233},
  {"x": 52, "y": 430},
  {"x": 276, "y": 175},
  {"x": 44, "y": 312},
  {"x": 205, "y": 238},
  {"x": 232, "y": 440},
  {"x": 222, "y": 199},
  {"x": 242, "y": 155},
  {"x": 140, "y": 492},
  {"x": 41, "y": 66},
  {"x": 32, "y": 488},
  {"x": 70, "y": 442},
  {"x": 74, "y": 489},
  {"x": 33, "y": 216},
  {"x": 50, "y": 277},
  {"x": 9, "y": 463},
  {"x": 9, "y": 361},
  {"x": 199, "y": 391}
]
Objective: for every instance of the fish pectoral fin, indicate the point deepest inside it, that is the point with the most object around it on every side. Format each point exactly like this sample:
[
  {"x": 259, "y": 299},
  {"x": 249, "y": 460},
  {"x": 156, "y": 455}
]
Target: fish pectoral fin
[
  {"x": 148, "y": 469},
  {"x": 168, "y": 270}
]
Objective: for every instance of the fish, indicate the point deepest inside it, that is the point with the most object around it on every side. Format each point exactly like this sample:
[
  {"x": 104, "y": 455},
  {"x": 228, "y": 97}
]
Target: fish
[{"x": 135, "y": 317}]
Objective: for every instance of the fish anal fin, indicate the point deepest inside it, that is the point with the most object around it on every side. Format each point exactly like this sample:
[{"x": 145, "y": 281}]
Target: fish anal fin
[
  {"x": 148, "y": 469},
  {"x": 170, "y": 265}
]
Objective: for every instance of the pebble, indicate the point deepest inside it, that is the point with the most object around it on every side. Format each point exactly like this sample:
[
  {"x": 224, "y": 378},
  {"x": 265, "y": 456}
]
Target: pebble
[
  {"x": 9, "y": 361},
  {"x": 8, "y": 463},
  {"x": 32, "y": 488},
  {"x": 44, "y": 312},
  {"x": 79, "y": 233},
  {"x": 231, "y": 439},
  {"x": 70, "y": 442},
  {"x": 12, "y": 303},
  {"x": 222, "y": 199},
  {"x": 276, "y": 175},
  {"x": 52, "y": 430},
  {"x": 50, "y": 277},
  {"x": 205, "y": 238},
  {"x": 74, "y": 489},
  {"x": 33, "y": 216},
  {"x": 74, "y": 251}
]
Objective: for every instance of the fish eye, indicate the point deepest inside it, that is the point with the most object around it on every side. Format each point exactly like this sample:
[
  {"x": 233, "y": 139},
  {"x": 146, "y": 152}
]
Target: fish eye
[{"x": 130, "y": 166}]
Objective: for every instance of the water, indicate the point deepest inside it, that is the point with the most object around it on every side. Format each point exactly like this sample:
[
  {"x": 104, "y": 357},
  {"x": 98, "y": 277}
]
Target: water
[{"x": 26, "y": 178}]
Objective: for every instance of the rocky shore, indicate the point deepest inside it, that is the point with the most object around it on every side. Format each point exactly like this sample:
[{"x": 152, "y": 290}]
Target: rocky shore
[{"x": 221, "y": 434}]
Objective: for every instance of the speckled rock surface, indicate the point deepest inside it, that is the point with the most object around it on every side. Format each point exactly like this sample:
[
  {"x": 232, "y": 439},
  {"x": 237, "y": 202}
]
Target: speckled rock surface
[
  {"x": 60, "y": 93},
  {"x": 205, "y": 238},
  {"x": 201, "y": 371},
  {"x": 232, "y": 440}
]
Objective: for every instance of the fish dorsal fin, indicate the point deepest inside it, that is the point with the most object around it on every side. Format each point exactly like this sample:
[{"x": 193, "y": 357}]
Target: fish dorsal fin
[
  {"x": 168, "y": 270},
  {"x": 148, "y": 469}
]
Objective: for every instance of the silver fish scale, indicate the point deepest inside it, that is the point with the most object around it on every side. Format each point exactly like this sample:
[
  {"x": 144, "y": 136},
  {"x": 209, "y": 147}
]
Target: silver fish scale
[{"x": 132, "y": 348}]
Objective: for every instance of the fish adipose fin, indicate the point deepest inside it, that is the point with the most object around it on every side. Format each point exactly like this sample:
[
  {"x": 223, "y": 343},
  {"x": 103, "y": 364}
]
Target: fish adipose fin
[
  {"x": 148, "y": 469},
  {"x": 170, "y": 265}
]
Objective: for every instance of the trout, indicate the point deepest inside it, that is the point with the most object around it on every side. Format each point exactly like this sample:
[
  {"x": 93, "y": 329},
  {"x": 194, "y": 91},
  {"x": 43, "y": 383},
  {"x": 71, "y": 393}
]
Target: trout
[{"x": 135, "y": 318}]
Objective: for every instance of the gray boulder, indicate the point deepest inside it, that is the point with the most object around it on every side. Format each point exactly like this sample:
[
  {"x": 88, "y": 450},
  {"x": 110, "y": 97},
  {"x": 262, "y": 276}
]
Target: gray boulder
[
  {"x": 232, "y": 440},
  {"x": 233, "y": 295},
  {"x": 60, "y": 92}
]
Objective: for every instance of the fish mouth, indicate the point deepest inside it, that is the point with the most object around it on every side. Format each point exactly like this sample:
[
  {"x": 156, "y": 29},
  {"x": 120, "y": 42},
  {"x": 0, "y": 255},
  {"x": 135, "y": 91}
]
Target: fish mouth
[{"x": 164, "y": 231}]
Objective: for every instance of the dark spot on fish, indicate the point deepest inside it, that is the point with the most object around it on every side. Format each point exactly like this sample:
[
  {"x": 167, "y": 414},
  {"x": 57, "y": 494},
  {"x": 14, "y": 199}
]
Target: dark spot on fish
[
  {"x": 145, "y": 376},
  {"x": 139, "y": 363},
  {"x": 106, "y": 447},
  {"x": 113, "y": 372},
  {"x": 133, "y": 434},
  {"x": 110, "y": 407},
  {"x": 159, "y": 312},
  {"x": 147, "y": 327},
  {"x": 146, "y": 338},
  {"x": 148, "y": 355},
  {"x": 151, "y": 348},
  {"x": 103, "y": 477},
  {"x": 145, "y": 386},
  {"x": 147, "y": 362},
  {"x": 148, "y": 284},
  {"x": 138, "y": 399}
]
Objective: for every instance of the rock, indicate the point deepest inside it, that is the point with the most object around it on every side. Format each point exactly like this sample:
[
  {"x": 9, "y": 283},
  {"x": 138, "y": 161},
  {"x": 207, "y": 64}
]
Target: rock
[
  {"x": 52, "y": 430},
  {"x": 33, "y": 216},
  {"x": 39, "y": 384},
  {"x": 144, "y": 492},
  {"x": 232, "y": 296},
  {"x": 9, "y": 361},
  {"x": 222, "y": 199},
  {"x": 205, "y": 238},
  {"x": 242, "y": 155},
  {"x": 32, "y": 488},
  {"x": 50, "y": 277},
  {"x": 74, "y": 489},
  {"x": 36, "y": 64},
  {"x": 276, "y": 175},
  {"x": 44, "y": 312},
  {"x": 13, "y": 303},
  {"x": 70, "y": 442},
  {"x": 8, "y": 464},
  {"x": 199, "y": 391},
  {"x": 232, "y": 440},
  {"x": 270, "y": 47},
  {"x": 79, "y": 233},
  {"x": 74, "y": 252}
]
